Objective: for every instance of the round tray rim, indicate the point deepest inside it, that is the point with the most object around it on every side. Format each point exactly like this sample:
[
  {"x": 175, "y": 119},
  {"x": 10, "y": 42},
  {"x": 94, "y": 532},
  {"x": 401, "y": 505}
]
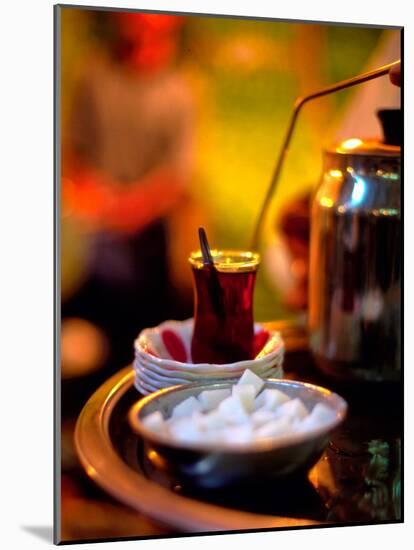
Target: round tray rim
[{"x": 106, "y": 468}]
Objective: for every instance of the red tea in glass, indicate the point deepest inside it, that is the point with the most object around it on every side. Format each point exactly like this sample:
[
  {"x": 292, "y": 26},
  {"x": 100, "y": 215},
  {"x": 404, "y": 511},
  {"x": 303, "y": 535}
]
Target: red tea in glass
[{"x": 223, "y": 306}]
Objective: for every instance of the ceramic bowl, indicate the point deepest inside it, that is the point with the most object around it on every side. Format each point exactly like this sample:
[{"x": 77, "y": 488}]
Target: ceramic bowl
[
  {"x": 213, "y": 465},
  {"x": 163, "y": 358}
]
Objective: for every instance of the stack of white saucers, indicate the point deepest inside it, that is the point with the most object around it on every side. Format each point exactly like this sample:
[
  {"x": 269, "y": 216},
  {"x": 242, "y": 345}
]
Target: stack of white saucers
[{"x": 163, "y": 358}]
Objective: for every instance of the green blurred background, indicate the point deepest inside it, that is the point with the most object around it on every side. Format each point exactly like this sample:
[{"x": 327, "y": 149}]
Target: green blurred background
[{"x": 245, "y": 75}]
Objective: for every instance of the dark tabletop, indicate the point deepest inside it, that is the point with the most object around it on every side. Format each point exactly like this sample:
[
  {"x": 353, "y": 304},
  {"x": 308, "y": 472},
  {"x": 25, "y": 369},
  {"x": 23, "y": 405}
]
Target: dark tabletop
[{"x": 358, "y": 479}]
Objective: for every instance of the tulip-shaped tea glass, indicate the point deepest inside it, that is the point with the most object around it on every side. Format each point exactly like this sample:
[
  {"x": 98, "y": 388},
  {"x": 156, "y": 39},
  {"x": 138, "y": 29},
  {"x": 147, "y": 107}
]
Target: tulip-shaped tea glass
[{"x": 223, "y": 306}]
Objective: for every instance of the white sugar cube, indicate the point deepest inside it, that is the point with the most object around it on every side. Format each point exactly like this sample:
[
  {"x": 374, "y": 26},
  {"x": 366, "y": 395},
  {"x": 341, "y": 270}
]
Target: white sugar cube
[
  {"x": 260, "y": 417},
  {"x": 307, "y": 424},
  {"x": 238, "y": 434},
  {"x": 246, "y": 393},
  {"x": 186, "y": 407},
  {"x": 210, "y": 399},
  {"x": 208, "y": 421},
  {"x": 214, "y": 436},
  {"x": 154, "y": 421},
  {"x": 276, "y": 427},
  {"x": 185, "y": 430},
  {"x": 292, "y": 409},
  {"x": 198, "y": 420},
  {"x": 322, "y": 414},
  {"x": 239, "y": 414},
  {"x": 269, "y": 399},
  {"x": 249, "y": 378},
  {"x": 232, "y": 410}
]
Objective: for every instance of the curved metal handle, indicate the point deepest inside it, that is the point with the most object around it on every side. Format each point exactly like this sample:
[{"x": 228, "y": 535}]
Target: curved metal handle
[{"x": 299, "y": 103}]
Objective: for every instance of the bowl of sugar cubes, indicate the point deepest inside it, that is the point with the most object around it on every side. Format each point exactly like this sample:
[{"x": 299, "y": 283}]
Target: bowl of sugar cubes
[{"x": 238, "y": 431}]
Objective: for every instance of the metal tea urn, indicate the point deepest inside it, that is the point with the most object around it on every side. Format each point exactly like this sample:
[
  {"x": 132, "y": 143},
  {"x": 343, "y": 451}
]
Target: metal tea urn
[{"x": 355, "y": 259}]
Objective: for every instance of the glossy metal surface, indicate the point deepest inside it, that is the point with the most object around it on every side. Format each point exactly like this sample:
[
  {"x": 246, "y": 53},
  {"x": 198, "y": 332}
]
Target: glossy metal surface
[
  {"x": 355, "y": 271},
  {"x": 357, "y": 478},
  {"x": 210, "y": 465},
  {"x": 97, "y": 425}
]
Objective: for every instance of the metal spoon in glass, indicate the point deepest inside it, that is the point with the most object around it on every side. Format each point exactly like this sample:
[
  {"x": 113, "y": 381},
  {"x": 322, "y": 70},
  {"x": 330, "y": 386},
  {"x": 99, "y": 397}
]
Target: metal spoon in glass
[{"x": 214, "y": 286}]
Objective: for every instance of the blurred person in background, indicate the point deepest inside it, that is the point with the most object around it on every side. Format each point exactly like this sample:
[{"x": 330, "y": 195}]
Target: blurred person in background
[{"x": 126, "y": 163}]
